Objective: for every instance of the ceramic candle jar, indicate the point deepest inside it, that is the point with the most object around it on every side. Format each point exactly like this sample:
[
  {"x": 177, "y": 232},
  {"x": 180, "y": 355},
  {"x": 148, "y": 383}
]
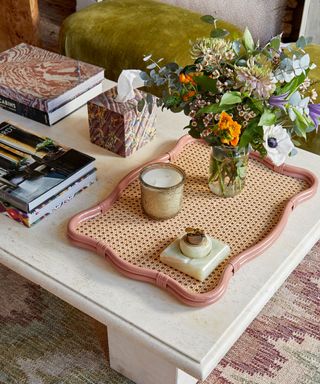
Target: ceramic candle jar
[{"x": 161, "y": 190}]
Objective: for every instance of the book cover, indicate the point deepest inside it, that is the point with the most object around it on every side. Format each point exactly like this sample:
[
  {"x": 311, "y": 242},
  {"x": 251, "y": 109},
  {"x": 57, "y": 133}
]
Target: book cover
[
  {"x": 35, "y": 168},
  {"x": 30, "y": 218},
  {"x": 54, "y": 116},
  {"x": 43, "y": 80}
]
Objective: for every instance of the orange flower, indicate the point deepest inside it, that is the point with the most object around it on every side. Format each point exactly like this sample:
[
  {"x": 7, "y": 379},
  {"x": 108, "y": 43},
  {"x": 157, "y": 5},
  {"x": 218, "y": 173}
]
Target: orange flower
[
  {"x": 186, "y": 79},
  {"x": 188, "y": 95},
  {"x": 182, "y": 78},
  {"x": 235, "y": 141},
  {"x": 224, "y": 121},
  {"x": 232, "y": 128}
]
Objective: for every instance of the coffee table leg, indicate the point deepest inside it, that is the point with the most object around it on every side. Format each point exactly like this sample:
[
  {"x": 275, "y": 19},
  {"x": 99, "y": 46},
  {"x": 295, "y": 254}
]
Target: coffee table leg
[{"x": 141, "y": 365}]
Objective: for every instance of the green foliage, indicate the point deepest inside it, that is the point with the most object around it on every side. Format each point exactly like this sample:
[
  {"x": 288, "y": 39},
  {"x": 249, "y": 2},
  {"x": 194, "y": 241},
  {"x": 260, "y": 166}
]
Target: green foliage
[
  {"x": 231, "y": 98},
  {"x": 236, "y": 91},
  {"x": 275, "y": 43},
  {"x": 267, "y": 118},
  {"x": 248, "y": 40},
  {"x": 208, "y": 19},
  {"x": 206, "y": 83},
  {"x": 219, "y": 32},
  {"x": 302, "y": 42},
  {"x": 252, "y": 133},
  {"x": 293, "y": 85}
]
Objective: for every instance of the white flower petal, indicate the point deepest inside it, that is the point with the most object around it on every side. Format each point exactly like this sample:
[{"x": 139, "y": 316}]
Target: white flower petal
[
  {"x": 278, "y": 154},
  {"x": 277, "y": 158}
]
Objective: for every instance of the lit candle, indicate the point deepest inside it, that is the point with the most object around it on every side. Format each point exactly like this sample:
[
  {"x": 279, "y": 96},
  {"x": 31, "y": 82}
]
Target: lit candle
[{"x": 161, "y": 190}]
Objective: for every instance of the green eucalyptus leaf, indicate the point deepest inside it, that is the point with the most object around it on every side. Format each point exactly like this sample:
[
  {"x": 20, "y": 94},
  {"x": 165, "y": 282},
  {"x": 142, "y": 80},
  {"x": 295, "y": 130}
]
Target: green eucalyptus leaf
[
  {"x": 267, "y": 118},
  {"x": 148, "y": 57},
  {"x": 190, "y": 68},
  {"x": 236, "y": 46},
  {"x": 301, "y": 42},
  {"x": 144, "y": 76},
  {"x": 152, "y": 66},
  {"x": 310, "y": 128},
  {"x": 208, "y": 19},
  {"x": 219, "y": 32},
  {"x": 172, "y": 66},
  {"x": 230, "y": 98},
  {"x": 242, "y": 63},
  {"x": 248, "y": 40}
]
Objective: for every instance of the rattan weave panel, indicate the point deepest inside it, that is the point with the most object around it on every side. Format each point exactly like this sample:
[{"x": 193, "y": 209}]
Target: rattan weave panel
[{"x": 241, "y": 221}]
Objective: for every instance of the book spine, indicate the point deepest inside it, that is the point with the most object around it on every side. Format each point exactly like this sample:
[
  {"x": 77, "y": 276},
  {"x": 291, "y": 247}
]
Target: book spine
[
  {"x": 19, "y": 204},
  {"x": 24, "y": 110}
]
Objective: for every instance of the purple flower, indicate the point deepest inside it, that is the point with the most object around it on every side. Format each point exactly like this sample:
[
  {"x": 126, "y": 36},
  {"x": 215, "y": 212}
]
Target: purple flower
[
  {"x": 314, "y": 113},
  {"x": 279, "y": 101}
]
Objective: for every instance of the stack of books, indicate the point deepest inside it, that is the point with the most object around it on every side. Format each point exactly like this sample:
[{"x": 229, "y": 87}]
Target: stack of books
[
  {"x": 45, "y": 86},
  {"x": 37, "y": 175}
]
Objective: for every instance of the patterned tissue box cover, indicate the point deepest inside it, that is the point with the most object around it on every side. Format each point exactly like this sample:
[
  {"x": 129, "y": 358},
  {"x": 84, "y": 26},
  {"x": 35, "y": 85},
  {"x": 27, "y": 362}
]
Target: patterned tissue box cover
[{"x": 120, "y": 127}]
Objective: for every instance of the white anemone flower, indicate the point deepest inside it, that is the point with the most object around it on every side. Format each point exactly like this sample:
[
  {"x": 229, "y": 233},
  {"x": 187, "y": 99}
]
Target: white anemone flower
[{"x": 277, "y": 142}]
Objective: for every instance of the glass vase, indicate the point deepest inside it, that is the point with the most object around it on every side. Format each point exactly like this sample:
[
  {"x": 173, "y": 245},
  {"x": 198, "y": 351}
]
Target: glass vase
[{"x": 228, "y": 169}]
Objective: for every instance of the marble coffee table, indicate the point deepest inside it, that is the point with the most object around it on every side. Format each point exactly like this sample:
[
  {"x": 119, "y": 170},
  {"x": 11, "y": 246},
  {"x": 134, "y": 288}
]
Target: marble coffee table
[{"x": 153, "y": 338}]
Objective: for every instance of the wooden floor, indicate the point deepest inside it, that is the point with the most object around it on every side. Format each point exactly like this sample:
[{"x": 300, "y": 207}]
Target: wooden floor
[{"x": 52, "y": 13}]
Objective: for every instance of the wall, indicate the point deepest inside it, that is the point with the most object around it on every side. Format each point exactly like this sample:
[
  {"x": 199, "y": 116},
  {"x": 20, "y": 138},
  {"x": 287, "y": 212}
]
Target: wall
[
  {"x": 84, "y": 3},
  {"x": 263, "y": 18}
]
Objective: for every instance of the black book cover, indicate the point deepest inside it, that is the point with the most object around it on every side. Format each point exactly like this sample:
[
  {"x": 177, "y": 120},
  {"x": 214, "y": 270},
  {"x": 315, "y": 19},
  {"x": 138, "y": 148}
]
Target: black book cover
[
  {"x": 34, "y": 168},
  {"x": 24, "y": 110}
]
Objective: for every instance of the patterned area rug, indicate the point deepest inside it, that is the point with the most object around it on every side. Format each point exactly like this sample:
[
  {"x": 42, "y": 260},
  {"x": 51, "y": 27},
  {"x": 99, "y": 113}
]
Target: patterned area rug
[{"x": 45, "y": 341}]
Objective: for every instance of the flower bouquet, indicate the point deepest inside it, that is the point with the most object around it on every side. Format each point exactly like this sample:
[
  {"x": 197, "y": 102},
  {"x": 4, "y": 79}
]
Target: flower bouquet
[{"x": 240, "y": 96}]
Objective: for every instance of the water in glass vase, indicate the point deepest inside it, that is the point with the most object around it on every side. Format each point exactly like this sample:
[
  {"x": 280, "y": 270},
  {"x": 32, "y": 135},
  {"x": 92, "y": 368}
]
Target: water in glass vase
[{"x": 228, "y": 168}]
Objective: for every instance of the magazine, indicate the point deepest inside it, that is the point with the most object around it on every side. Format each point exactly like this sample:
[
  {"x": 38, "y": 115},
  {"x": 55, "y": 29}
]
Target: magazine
[
  {"x": 35, "y": 168},
  {"x": 30, "y": 218}
]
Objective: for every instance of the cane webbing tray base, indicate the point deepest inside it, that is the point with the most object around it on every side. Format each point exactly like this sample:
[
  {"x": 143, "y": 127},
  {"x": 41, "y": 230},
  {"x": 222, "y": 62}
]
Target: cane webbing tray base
[{"x": 248, "y": 222}]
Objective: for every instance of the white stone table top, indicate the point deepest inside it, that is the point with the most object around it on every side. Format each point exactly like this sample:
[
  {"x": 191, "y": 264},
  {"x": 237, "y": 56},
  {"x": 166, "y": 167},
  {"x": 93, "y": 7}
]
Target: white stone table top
[{"x": 192, "y": 338}]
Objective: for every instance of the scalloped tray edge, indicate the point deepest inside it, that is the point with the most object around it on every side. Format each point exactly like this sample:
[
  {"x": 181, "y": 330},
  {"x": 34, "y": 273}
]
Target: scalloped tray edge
[{"x": 162, "y": 280}]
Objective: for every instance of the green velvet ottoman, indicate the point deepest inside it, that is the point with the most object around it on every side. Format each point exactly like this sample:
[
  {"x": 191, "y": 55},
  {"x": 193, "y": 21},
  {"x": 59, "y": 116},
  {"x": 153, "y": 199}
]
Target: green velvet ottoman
[{"x": 115, "y": 34}]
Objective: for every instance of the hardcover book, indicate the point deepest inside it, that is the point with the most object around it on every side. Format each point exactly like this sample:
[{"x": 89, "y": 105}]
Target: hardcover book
[
  {"x": 30, "y": 218},
  {"x": 35, "y": 168},
  {"x": 43, "y": 85}
]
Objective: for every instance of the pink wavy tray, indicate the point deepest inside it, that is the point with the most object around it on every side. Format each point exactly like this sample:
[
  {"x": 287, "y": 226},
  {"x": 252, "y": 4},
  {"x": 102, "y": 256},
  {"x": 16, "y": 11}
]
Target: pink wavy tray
[{"x": 250, "y": 222}]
